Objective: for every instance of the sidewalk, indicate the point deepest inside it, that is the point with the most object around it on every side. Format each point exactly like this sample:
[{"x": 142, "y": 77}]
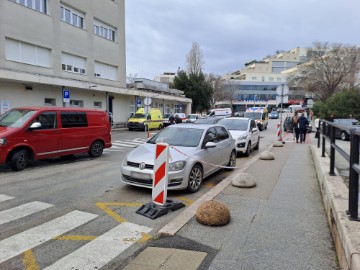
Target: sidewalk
[{"x": 279, "y": 224}]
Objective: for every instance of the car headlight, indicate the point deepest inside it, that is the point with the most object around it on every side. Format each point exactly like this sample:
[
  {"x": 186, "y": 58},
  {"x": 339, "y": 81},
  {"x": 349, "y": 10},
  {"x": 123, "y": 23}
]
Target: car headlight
[
  {"x": 2, "y": 141},
  {"x": 124, "y": 162},
  {"x": 177, "y": 166}
]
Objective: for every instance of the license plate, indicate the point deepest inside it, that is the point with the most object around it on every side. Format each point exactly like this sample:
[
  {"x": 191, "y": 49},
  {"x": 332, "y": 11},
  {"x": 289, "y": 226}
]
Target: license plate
[{"x": 143, "y": 176}]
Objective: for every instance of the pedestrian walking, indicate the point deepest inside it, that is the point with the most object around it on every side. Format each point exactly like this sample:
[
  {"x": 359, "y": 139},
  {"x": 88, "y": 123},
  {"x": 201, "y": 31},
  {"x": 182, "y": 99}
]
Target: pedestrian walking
[
  {"x": 172, "y": 119},
  {"x": 317, "y": 126},
  {"x": 303, "y": 122},
  {"x": 178, "y": 120},
  {"x": 296, "y": 127}
]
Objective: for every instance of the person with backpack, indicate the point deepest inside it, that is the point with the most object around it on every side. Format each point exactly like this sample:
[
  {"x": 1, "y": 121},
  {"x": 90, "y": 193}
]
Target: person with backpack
[{"x": 296, "y": 130}]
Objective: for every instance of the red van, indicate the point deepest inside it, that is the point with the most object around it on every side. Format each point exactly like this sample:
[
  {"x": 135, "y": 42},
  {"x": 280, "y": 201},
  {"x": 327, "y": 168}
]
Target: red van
[{"x": 31, "y": 133}]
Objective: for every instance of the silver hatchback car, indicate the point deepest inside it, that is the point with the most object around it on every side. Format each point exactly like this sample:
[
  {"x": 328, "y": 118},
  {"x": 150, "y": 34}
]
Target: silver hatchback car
[{"x": 196, "y": 151}]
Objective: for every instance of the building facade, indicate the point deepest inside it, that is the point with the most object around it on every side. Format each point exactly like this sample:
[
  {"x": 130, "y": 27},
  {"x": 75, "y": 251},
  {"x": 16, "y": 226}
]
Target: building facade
[
  {"x": 256, "y": 83},
  {"x": 49, "y": 49}
]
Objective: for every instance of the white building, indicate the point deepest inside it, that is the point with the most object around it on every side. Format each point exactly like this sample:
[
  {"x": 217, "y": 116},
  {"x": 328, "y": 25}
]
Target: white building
[
  {"x": 256, "y": 83},
  {"x": 48, "y": 46}
]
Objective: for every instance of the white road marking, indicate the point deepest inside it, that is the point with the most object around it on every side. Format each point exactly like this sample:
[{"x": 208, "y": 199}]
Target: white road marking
[
  {"x": 22, "y": 211},
  {"x": 17, "y": 244},
  {"x": 103, "y": 249},
  {"x": 4, "y": 198}
]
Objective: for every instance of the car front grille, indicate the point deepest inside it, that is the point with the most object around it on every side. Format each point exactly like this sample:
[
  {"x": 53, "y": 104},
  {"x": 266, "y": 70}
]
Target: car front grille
[
  {"x": 137, "y": 165},
  {"x": 133, "y": 180}
]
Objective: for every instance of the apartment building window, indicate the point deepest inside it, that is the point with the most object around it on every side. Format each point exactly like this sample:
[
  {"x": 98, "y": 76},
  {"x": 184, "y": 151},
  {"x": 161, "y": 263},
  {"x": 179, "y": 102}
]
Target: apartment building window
[
  {"x": 72, "y": 16},
  {"x": 73, "y": 63},
  {"x": 76, "y": 103},
  {"x": 22, "y": 52},
  {"x": 103, "y": 30},
  {"x": 105, "y": 71},
  {"x": 50, "y": 102},
  {"x": 97, "y": 104},
  {"x": 38, "y": 5}
]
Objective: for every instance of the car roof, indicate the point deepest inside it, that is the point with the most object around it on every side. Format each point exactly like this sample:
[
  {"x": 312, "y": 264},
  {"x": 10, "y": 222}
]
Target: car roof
[
  {"x": 191, "y": 125},
  {"x": 237, "y": 118}
]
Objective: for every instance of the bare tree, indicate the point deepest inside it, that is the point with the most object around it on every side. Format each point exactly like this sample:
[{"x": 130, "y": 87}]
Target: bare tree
[
  {"x": 131, "y": 79},
  {"x": 194, "y": 59},
  {"x": 222, "y": 91},
  {"x": 330, "y": 68}
]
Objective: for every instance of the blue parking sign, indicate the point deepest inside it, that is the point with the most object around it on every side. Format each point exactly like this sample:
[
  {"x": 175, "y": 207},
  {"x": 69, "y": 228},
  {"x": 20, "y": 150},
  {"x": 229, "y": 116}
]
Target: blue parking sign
[
  {"x": 138, "y": 101},
  {"x": 66, "y": 95}
]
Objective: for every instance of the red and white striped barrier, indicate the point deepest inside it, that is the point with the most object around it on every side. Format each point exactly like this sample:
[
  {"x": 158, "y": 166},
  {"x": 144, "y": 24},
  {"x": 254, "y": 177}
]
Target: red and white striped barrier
[
  {"x": 279, "y": 135},
  {"x": 160, "y": 182}
]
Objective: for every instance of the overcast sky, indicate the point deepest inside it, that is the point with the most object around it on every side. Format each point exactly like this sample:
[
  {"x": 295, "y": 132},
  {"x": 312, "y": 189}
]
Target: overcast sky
[{"x": 159, "y": 33}]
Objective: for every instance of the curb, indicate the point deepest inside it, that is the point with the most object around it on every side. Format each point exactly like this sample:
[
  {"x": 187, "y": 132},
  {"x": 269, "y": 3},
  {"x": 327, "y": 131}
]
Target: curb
[{"x": 335, "y": 196}]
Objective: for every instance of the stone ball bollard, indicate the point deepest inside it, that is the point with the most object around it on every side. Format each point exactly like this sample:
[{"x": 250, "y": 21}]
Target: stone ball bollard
[
  {"x": 278, "y": 144},
  {"x": 244, "y": 180},
  {"x": 213, "y": 213},
  {"x": 267, "y": 155}
]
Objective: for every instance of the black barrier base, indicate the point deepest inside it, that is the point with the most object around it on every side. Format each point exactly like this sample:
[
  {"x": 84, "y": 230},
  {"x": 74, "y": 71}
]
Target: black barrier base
[{"x": 153, "y": 210}]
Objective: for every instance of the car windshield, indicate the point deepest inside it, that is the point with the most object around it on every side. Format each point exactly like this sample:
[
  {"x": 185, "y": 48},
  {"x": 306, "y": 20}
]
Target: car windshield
[
  {"x": 234, "y": 124},
  {"x": 253, "y": 115},
  {"x": 139, "y": 115},
  {"x": 191, "y": 116},
  {"x": 15, "y": 117},
  {"x": 275, "y": 113},
  {"x": 187, "y": 137}
]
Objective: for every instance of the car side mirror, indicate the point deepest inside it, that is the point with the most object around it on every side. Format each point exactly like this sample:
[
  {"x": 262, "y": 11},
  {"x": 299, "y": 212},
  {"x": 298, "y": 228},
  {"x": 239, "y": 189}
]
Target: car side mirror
[
  {"x": 210, "y": 145},
  {"x": 35, "y": 125}
]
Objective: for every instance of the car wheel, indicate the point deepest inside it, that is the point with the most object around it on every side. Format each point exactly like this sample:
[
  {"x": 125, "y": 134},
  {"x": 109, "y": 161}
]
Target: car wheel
[
  {"x": 96, "y": 149},
  {"x": 257, "y": 145},
  {"x": 195, "y": 178},
  {"x": 343, "y": 136},
  {"x": 130, "y": 129},
  {"x": 248, "y": 149},
  {"x": 232, "y": 160},
  {"x": 19, "y": 160},
  {"x": 161, "y": 127}
]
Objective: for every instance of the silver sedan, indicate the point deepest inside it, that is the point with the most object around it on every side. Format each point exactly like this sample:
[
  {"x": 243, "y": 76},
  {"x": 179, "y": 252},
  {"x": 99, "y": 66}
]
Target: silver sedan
[{"x": 195, "y": 152}]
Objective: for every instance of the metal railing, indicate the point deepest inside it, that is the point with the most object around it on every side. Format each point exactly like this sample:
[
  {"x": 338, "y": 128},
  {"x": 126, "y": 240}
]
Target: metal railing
[{"x": 328, "y": 132}]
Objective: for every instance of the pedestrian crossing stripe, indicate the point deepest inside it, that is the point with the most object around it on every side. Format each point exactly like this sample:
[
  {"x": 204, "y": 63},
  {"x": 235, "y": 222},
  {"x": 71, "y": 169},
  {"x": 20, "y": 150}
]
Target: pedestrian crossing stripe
[
  {"x": 4, "y": 198},
  {"x": 103, "y": 249},
  {"x": 38, "y": 235},
  {"x": 22, "y": 211}
]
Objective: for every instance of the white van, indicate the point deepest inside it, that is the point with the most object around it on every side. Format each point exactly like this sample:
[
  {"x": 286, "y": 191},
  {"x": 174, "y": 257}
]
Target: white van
[
  {"x": 294, "y": 108},
  {"x": 220, "y": 112}
]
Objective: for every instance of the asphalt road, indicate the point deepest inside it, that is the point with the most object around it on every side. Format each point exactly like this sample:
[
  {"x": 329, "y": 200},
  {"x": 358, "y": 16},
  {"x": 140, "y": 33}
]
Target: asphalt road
[{"x": 83, "y": 200}]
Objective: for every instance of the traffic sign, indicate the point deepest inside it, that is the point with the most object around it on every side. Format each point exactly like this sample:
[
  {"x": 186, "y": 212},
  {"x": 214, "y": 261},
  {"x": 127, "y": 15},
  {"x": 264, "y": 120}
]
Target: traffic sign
[
  {"x": 138, "y": 101},
  {"x": 147, "y": 101},
  {"x": 66, "y": 95}
]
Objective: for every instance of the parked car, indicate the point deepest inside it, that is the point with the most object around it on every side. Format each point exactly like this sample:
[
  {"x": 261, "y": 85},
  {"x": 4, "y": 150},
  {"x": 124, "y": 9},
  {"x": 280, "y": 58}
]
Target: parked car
[
  {"x": 182, "y": 116},
  {"x": 273, "y": 115},
  {"x": 344, "y": 133},
  {"x": 166, "y": 121},
  {"x": 245, "y": 133},
  {"x": 239, "y": 113},
  {"x": 196, "y": 152},
  {"x": 191, "y": 118},
  {"x": 208, "y": 120},
  {"x": 32, "y": 133},
  {"x": 288, "y": 124}
]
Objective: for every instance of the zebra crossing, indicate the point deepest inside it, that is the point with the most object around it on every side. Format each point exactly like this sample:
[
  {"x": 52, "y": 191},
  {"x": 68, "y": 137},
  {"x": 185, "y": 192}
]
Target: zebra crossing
[
  {"x": 122, "y": 145},
  {"x": 93, "y": 255}
]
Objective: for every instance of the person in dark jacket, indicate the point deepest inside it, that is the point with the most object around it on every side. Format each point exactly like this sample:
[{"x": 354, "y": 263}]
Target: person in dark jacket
[
  {"x": 172, "y": 119},
  {"x": 303, "y": 123},
  {"x": 178, "y": 120}
]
